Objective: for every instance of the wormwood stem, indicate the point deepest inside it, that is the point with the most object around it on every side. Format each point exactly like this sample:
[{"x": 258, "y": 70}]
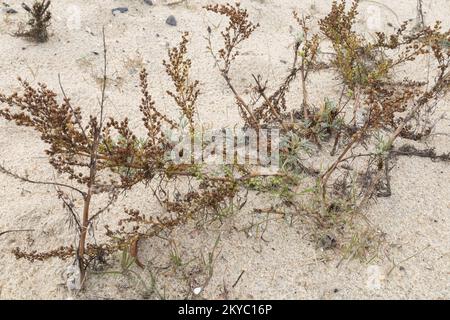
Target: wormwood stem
[{"x": 93, "y": 166}]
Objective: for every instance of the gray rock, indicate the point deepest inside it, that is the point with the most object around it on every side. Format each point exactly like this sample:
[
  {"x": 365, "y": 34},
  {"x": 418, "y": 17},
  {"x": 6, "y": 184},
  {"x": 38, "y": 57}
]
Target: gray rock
[
  {"x": 119, "y": 9},
  {"x": 327, "y": 242},
  {"x": 149, "y": 2},
  {"x": 8, "y": 9},
  {"x": 171, "y": 21}
]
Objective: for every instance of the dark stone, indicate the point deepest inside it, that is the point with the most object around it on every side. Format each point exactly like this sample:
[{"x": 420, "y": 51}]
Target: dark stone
[
  {"x": 149, "y": 2},
  {"x": 327, "y": 242},
  {"x": 120, "y": 9},
  {"x": 171, "y": 21}
]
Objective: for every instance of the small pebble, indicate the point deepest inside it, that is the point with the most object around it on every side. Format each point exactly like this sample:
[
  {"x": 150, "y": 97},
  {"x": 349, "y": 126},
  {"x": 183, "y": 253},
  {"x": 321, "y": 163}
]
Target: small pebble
[
  {"x": 149, "y": 2},
  {"x": 171, "y": 21},
  {"x": 327, "y": 242},
  {"x": 197, "y": 290},
  {"x": 120, "y": 9},
  {"x": 11, "y": 11}
]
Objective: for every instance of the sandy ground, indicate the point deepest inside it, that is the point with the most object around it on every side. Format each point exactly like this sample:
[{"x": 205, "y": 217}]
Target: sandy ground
[{"x": 414, "y": 263}]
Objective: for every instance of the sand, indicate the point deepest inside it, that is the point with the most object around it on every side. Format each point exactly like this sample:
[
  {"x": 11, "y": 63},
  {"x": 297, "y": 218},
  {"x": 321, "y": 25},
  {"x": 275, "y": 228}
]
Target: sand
[{"x": 413, "y": 263}]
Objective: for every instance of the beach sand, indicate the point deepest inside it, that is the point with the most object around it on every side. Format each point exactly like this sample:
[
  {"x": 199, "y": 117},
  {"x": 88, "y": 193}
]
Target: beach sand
[{"x": 414, "y": 261}]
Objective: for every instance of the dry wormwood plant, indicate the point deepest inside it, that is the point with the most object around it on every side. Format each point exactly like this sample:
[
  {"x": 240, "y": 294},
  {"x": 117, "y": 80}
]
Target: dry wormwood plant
[
  {"x": 368, "y": 70},
  {"x": 186, "y": 92},
  {"x": 39, "y": 21},
  {"x": 238, "y": 30},
  {"x": 75, "y": 152},
  {"x": 97, "y": 157},
  {"x": 105, "y": 156},
  {"x": 373, "y": 109},
  {"x": 355, "y": 131}
]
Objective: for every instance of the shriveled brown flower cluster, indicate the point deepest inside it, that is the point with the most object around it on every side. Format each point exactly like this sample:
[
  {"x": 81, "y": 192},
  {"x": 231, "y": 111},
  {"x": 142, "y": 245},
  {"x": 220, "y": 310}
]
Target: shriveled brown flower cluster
[{"x": 186, "y": 90}]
